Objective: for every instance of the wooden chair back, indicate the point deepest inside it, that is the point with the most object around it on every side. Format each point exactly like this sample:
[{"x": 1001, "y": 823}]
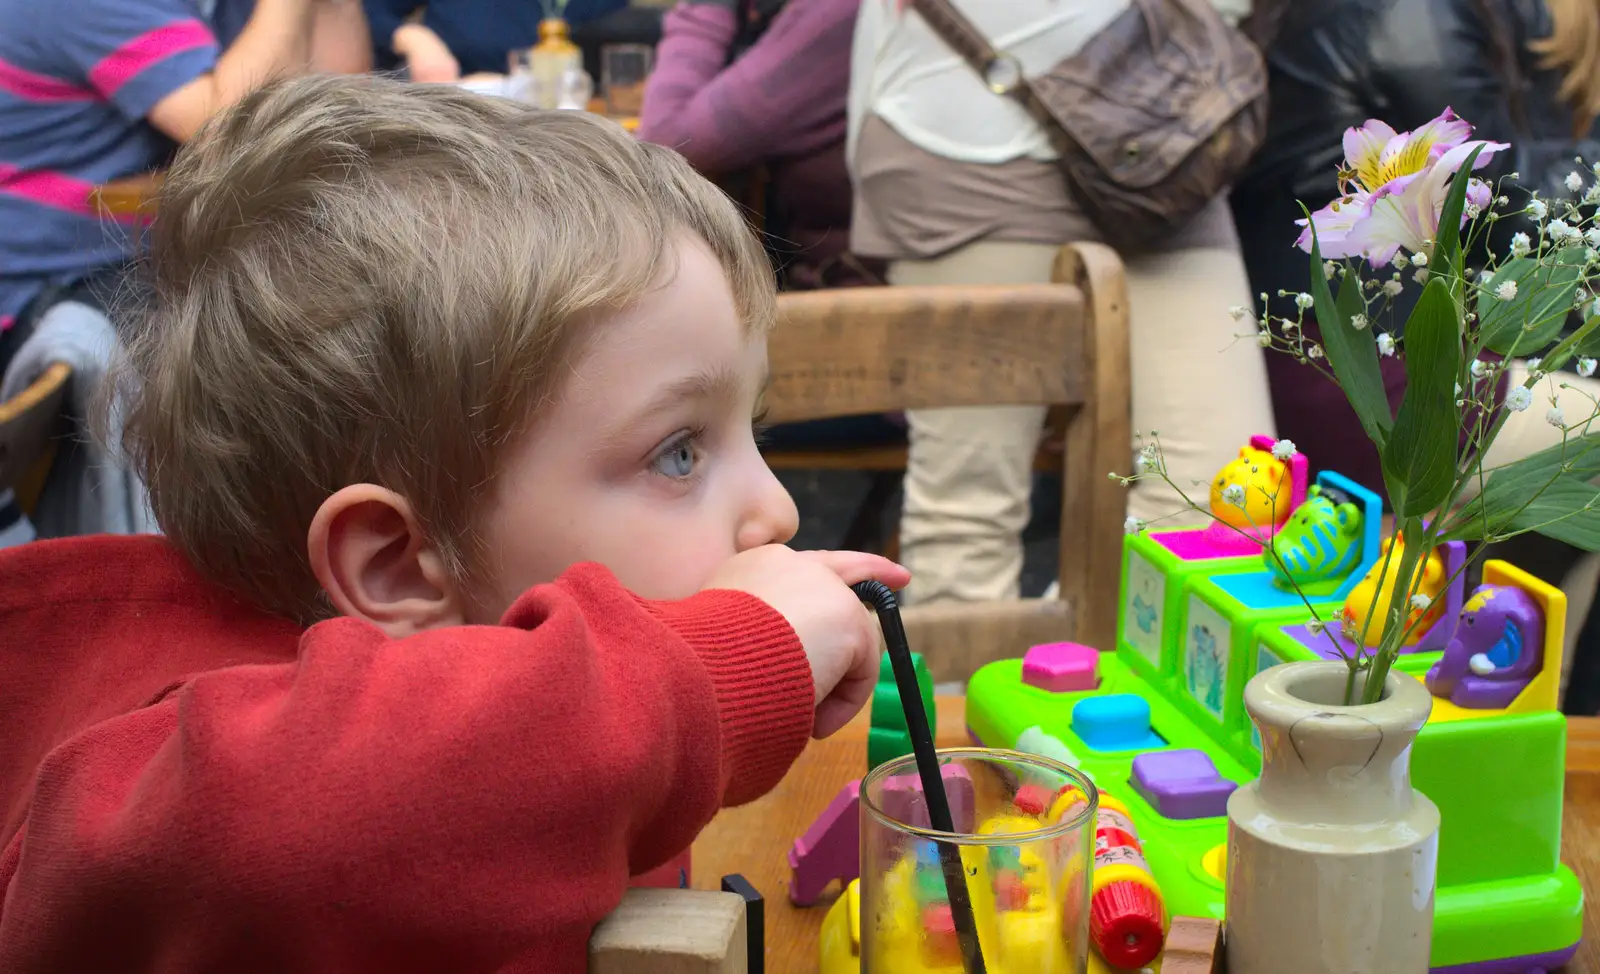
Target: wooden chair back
[
  {"x": 29, "y": 423},
  {"x": 856, "y": 351}
]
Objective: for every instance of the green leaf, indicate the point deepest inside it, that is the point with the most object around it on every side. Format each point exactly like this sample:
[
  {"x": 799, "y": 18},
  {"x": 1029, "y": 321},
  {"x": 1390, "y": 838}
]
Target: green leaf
[
  {"x": 1544, "y": 293},
  {"x": 1590, "y": 346},
  {"x": 1352, "y": 353},
  {"x": 1509, "y": 487},
  {"x": 1446, "y": 260},
  {"x": 1419, "y": 459},
  {"x": 1551, "y": 513}
]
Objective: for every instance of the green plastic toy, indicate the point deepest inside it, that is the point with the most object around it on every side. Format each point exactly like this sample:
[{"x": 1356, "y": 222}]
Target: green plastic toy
[
  {"x": 1504, "y": 902},
  {"x": 887, "y": 737}
]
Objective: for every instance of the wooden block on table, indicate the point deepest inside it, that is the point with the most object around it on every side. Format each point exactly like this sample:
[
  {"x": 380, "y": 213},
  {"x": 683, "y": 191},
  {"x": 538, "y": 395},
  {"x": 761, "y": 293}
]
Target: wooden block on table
[
  {"x": 1193, "y": 947},
  {"x": 671, "y": 931}
]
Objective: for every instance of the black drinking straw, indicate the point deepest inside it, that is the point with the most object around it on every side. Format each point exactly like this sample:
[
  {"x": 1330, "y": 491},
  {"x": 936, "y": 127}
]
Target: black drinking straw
[{"x": 881, "y": 598}]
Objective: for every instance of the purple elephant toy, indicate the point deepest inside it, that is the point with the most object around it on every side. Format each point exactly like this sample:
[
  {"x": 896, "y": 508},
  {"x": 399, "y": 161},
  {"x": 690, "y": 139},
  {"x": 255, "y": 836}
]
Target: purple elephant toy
[{"x": 1498, "y": 647}]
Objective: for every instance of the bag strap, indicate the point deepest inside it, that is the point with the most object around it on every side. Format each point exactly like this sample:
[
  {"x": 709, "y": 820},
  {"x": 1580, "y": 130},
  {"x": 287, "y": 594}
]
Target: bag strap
[{"x": 1000, "y": 72}]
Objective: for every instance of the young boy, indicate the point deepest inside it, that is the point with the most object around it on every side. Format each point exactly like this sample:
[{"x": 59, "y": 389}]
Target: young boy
[{"x": 418, "y": 364}]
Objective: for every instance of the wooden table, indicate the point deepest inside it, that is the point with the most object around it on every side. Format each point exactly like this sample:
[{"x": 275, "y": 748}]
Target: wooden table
[{"x": 755, "y": 839}]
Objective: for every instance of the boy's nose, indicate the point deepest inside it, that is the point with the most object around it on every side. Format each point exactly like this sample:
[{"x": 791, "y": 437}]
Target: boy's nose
[{"x": 771, "y": 517}]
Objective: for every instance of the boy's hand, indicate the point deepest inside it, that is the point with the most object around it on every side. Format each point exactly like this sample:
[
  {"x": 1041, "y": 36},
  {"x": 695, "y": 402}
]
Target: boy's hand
[{"x": 811, "y": 589}]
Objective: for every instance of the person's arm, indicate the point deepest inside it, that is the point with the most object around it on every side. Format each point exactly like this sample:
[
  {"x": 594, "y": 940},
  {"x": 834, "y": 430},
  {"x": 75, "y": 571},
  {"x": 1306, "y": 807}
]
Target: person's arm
[
  {"x": 340, "y": 42},
  {"x": 782, "y": 97},
  {"x": 470, "y": 798},
  {"x": 275, "y": 42},
  {"x": 425, "y": 54}
]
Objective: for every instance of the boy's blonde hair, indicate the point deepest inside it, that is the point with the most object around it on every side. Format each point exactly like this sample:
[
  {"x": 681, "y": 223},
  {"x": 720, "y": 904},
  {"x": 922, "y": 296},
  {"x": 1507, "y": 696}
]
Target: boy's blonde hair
[{"x": 357, "y": 280}]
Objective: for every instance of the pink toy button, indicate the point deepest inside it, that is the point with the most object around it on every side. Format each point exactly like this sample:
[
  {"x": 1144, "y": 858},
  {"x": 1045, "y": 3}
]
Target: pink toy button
[{"x": 1061, "y": 667}]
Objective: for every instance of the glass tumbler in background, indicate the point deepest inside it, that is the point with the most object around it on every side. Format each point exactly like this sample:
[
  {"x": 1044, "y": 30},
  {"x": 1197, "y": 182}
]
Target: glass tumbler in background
[
  {"x": 519, "y": 76},
  {"x": 624, "y": 68},
  {"x": 1025, "y": 832}
]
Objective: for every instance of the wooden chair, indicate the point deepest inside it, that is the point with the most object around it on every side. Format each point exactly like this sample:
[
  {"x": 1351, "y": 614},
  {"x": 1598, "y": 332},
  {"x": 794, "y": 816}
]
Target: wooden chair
[
  {"x": 858, "y": 351},
  {"x": 29, "y": 424}
]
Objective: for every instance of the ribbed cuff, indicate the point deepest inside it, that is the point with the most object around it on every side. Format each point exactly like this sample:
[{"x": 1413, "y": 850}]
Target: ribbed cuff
[{"x": 766, "y": 701}]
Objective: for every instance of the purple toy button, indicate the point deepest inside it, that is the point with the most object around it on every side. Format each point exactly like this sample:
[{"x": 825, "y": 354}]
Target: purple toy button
[
  {"x": 1061, "y": 667},
  {"x": 1182, "y": 784}
]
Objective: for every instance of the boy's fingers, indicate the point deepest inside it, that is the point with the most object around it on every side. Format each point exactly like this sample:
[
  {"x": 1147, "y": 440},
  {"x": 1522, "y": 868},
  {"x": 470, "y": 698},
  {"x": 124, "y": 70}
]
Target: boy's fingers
[{"x": 858, "y": 566}]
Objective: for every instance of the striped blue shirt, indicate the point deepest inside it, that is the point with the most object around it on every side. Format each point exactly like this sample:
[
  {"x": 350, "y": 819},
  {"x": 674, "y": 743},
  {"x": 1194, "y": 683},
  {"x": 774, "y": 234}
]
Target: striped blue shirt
[{"x": 77, "y": 78}]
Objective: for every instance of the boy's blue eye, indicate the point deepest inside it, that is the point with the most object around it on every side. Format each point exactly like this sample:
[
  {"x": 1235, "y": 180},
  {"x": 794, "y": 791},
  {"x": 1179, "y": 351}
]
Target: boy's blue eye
[{"x": 678, "y": 459}]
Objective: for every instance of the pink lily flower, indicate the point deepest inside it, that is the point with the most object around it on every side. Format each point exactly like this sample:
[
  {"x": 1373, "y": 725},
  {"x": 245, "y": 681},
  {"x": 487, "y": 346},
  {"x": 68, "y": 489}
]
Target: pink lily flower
[{"x": 1394, "y": 186}]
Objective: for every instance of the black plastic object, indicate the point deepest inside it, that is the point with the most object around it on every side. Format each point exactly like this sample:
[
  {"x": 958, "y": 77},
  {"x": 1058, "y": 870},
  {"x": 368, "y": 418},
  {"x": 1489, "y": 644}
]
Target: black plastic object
[
  {"x": 755, "y": 922},
  {"x": 882, "y": 599}
]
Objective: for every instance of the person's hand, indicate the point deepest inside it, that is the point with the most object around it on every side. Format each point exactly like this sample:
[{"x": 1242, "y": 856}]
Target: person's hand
[
  {"x": 811, "y": 589},
  {"x": 426, "y": 56}
]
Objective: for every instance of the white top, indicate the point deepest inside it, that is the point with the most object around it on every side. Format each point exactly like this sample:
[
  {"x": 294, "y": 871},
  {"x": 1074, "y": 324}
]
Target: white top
[{"x": 903, "y": 72}]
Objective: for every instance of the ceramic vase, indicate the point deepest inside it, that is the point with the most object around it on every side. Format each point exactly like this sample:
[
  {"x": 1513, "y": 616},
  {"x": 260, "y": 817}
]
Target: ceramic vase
[{"x": 1331, "y": 852}]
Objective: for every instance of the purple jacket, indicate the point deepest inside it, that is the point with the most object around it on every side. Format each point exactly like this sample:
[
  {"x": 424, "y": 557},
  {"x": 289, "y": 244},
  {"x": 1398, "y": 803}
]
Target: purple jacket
[{"x": 781, "y": 103}]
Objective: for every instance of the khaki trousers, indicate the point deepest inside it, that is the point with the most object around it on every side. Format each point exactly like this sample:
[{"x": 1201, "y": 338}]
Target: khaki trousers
[{"x": 969, "y": 473}]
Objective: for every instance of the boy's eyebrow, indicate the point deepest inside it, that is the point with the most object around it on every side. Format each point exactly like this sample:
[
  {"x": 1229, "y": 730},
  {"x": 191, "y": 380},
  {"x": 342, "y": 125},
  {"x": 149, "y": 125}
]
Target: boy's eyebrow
[{"x": 719, "y": 382}]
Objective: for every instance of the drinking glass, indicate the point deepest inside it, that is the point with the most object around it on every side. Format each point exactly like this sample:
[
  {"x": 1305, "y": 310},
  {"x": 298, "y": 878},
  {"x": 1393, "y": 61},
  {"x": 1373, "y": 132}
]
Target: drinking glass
[
  {"x": 1024, "y": 835},
  {"x": 624, "y": 68}
]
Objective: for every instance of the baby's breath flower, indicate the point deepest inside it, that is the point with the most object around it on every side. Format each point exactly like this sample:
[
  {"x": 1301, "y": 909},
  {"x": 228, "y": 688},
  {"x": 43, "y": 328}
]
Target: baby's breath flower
[
  {"x": 1386, "y": 345},
  {"x": 1421, "y": 276},
  {"x": 1239, "y": 312},
  {"x": 1586, "y": 367},
  {"x": 1420, "y": 602},
  {"x": 1506, "y": 291},
  {"x": 1233, "y": 494},
  {"x": 1400, "y": 260},
  {"x": 1264, "y": 339},
  {"x": 1132, "y": 526},
  {"x": 1574, "y": 182},
  {"x": 1329, "y": 268},
  {"x": 1519, "y": 399},
  {"x": 1284, "y": 449},
  {"x": 1534, "y": 363},
  {"x": 1537, "y": 209},
  {"x": 1478, "y": 368},
  {"x": 1485, "y": 276},
  {"x": 1555, "y": 417},
  {"x": 1393, "y": 288},
  {"x": 1313, "y": 351},
  {"x": 1520, "y": 244},
  {"x": 1419, "y": 259},
  {"x": 1558, "y": 231},
  {"x": 1288, "y": 325},
  {"x": 1358, "y": 321},
  {"x": 1592, "y": 236},
  {"x": 1315, "y": 627},
  {"x": 1303, "y": 301}
]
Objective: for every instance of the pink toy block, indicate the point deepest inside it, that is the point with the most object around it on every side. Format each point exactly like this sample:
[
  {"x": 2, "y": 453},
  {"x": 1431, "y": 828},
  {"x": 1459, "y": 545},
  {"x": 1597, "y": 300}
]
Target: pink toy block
[
  {"x": 830, "y": 849},
  {"x": 1061, "y": 667},
  {"x": 903, "y": 801}
]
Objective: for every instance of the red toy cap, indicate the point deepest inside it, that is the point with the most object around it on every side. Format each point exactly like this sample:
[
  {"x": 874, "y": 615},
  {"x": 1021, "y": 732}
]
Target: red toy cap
[{"x": 1125, "y": 924}]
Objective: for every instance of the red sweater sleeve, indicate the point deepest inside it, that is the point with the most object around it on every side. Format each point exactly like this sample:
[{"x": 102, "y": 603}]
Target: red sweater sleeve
[{"x": 468, "y": 799}]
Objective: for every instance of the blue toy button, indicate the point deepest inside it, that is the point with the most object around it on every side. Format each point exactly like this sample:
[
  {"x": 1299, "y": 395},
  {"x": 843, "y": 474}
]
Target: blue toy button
[{"x": 1115, "y": 722}]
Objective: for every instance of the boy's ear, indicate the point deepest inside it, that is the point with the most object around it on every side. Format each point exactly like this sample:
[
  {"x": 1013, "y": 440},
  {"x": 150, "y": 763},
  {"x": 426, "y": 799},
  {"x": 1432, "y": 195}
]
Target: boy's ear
[{"x": 370, "y": 556}]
